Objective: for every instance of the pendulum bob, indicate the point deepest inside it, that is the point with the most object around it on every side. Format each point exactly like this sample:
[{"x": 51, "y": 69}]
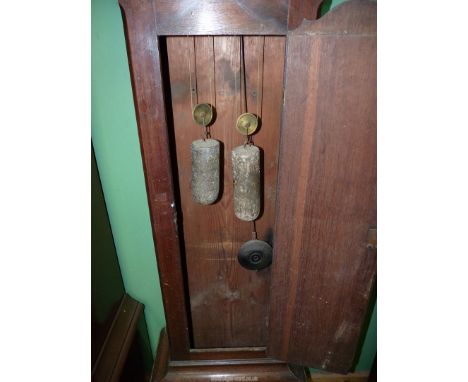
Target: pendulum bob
[
  {"x": 246, "y": 178},
  {"x": 255, "y": 255},
  {"x": 205, "y": 170}
]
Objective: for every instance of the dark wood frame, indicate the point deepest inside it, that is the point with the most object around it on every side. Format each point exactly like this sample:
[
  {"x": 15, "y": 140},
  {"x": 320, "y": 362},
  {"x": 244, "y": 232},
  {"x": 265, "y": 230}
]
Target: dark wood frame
[{"x": 141, "y": 19}]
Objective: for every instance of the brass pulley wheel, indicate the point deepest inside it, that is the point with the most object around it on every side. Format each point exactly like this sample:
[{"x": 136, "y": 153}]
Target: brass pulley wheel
[
  {"x": 202, "y": 114},
  {"x": 247, "y": 124}
]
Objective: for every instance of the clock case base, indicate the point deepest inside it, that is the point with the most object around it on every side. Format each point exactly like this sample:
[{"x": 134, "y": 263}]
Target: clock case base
[{"x": 222, "y": 369}]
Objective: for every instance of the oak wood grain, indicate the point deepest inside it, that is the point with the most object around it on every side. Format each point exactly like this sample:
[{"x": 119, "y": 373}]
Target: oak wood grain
[{"x": 323, "y": 271}]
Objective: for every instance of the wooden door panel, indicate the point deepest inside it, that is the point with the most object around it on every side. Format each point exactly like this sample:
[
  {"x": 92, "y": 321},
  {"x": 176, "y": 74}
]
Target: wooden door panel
[{"x": 323, "y": 269}]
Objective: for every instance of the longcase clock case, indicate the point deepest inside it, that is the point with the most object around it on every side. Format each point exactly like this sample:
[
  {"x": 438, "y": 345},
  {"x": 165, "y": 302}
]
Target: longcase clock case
[{"x": 313, "y": 82}]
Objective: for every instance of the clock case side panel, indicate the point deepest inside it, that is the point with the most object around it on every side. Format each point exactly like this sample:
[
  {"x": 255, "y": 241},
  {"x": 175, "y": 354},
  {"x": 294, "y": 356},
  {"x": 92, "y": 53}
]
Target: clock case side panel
[{"x": 324, "y": 260}]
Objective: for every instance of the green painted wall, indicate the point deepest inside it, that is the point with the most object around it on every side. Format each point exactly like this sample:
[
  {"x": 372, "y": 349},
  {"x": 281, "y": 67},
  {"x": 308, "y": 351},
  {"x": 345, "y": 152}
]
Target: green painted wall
[{"x": 115, "y": 139}]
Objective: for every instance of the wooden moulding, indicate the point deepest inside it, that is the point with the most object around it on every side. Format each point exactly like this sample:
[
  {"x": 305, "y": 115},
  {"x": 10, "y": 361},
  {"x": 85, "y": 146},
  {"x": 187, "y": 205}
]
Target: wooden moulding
[
  {"x": 259, "y": 370},
  {"x": 113, "y": 354}
]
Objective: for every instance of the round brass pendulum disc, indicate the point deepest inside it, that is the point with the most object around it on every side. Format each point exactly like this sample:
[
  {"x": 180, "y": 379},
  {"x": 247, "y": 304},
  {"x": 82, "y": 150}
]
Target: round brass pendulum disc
[
  {"x": 202, "y": 114},
  {"x": 247, "y": 124}
]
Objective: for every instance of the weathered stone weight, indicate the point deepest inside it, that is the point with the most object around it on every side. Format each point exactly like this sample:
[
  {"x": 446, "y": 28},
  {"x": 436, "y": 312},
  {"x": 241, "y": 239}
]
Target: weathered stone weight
[
  {"x": 205, "y": 170},
  {"x": 246, "y": 177}
]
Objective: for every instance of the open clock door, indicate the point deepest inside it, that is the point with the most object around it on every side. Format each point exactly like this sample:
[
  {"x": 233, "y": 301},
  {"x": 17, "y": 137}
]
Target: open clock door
[{"x": 324, "y": 263}]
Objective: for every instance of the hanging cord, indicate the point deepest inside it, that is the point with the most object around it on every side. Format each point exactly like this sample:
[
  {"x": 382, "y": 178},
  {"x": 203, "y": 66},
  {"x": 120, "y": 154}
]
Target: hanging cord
[
  {"x": 259, "y": 86},
  {"x": 213, "y": 98},
  {"x": 243, "y": 90},
  {"x": 254, "y": 230},
  {"x": 195, "y": 67},
  {"x": 212, "y": 91},
  {"x": 243, "y": 86},
  {"x": 235, "y": 86},
  {"x": 240, "y": 78},
  {"x": 207, "y": 128},
  {"x": 260, "y": 77},
  {"x": 191, "y": 88},
  {"x": 206, "y": 134},
  {"x": 244, "y": 79}
]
